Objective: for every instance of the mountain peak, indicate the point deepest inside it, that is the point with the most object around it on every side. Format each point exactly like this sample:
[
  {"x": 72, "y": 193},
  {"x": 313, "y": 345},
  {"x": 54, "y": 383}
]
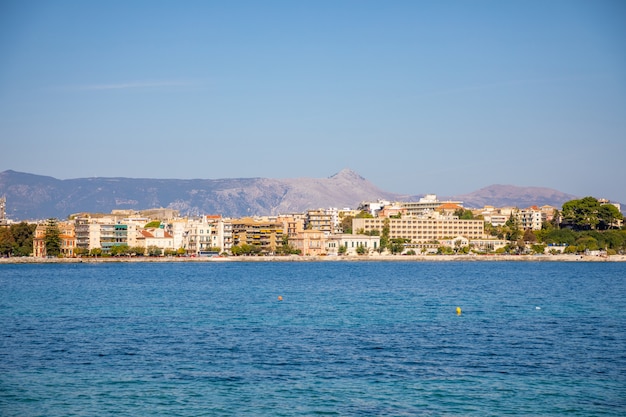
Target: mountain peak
[{"x": 347, "y": 174}]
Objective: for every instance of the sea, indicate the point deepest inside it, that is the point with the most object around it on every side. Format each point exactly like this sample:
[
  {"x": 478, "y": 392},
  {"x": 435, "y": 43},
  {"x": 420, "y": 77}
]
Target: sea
[{"x": 313, "y": 338}]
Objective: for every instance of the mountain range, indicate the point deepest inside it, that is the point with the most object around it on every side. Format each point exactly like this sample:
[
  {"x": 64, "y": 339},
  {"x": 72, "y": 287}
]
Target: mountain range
[{"x": 31, "y": 196}]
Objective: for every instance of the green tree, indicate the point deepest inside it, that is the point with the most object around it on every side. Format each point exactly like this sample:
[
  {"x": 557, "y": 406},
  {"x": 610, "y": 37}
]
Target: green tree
[
  {"x": 154, "y": 250},
  {"x": 608, "y": 216},
  {"x": 137, "y": 250},
  {"x": 384, "y": 236},
  {"x": 512, "y": 228},
  {"x": 7, "y": 242},
  {"x": 364, "y": 215},
  {"x": 539, "y": 249},
  {"x": 582, "y": 214},
  {"x": 119, "y": 250},
  {"x": 81, "y": 251},
  {"x": 52, "y": 239},
  {"x": 342, "y": 250},
  {"x": 464, "y": 214},
  {"x": 96, "y": 252},
  {"x": 346, "y": 224},
  {"x": 361, "y": 250},
  {"x": 23, "y": 234},
  {"x": 586, "y": 243},
  {"x": 397, "y": 245}
]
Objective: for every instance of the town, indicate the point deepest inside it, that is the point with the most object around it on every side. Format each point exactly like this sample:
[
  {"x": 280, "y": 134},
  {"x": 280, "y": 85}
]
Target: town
[{"x": 424, "y": 227}]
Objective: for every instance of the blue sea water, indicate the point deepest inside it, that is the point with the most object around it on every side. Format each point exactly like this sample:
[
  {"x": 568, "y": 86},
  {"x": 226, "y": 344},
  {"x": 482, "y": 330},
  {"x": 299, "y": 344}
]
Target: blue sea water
[{"x": 348, "y": 338}]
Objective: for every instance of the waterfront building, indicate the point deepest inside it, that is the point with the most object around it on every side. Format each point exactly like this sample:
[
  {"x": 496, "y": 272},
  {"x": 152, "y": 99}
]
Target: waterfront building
[
  {"x": 422, "y": 229},
  {"x": 155, "y": 237},
  {"x": 206, "y": 235},
  {"x": 266, "y": 235},
  {"x": 309, "y": 242},
  {"x": 67, "y": 238},
  {"x": 351, "y": 243}
]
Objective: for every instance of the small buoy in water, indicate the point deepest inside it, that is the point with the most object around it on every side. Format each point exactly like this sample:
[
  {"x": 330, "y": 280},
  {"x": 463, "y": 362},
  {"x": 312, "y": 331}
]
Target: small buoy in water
[
  {"x": 280, "y": 298},
  {"x": 458, "y": 311},
  {"x": 537, "y": 308}
]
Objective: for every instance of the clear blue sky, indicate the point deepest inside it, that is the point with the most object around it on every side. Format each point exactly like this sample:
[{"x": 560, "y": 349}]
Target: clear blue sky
[{"x": 440, "y": 97}]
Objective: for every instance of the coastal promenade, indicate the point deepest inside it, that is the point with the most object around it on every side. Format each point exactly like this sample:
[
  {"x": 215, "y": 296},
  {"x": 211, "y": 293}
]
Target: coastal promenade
[{"x": 296, "y": 258}]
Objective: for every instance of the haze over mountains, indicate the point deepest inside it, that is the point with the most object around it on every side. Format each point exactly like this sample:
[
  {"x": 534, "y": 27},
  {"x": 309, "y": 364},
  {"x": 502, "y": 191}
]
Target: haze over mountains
[{"x": 32, "y": 196}]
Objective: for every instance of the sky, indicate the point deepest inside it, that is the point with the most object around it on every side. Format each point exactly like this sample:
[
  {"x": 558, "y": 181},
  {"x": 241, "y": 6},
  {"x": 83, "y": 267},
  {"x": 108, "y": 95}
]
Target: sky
[{"x": 442, "y": 97}]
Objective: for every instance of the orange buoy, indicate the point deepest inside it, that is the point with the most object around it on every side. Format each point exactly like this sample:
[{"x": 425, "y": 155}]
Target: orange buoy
[{"x": 280, "y": 298}]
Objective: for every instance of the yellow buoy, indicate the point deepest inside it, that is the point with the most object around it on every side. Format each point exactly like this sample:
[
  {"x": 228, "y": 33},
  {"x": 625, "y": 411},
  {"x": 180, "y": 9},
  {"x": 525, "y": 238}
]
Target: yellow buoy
[
  {"x": 458, "y": 311},
  {"x": 280, "y": 298}
]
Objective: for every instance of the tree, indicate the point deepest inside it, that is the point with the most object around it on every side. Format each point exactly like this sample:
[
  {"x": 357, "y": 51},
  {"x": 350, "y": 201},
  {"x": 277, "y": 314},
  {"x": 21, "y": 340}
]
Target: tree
[
  {"x": 154, "y": 250},
  {"x": 52, "y": 238},
  {"x": 96, "y": 252},
  {"x": 582, "y": 214},
  {"x": 608, "y": 215},
  {"x": 397, "y": 245},
  {"x": 137, "y": 250},
  {"x": 361, "y": 250},
  {"x": 512, "y": 228},
  {"x": 118, "y": 250},
  {"x": 529, "y": 236},
  {"x": 539, "y": 249},
  {"x": 464, "y": 214},
  {"x": 384, "y": 236},
  {"x": 342, "y": 250},
  {"x": 23, "y": 236},
  {"x": 81, "y": 251},
  {"x": 586, "y": 243},
  {"x": 7, "y": 242},
  {"x": 346, "y": 224}
]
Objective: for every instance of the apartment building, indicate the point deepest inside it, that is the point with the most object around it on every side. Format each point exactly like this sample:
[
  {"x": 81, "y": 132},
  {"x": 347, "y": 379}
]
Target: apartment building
[
  {"x": 266, "y": 234},
  {"x": 423, "y": 229},
  {"x": 205, "y": 234},
  {"x": 321, "y": 220},
  {"x": 309, "y": 242},
  {"x": 530, "y": 218}
]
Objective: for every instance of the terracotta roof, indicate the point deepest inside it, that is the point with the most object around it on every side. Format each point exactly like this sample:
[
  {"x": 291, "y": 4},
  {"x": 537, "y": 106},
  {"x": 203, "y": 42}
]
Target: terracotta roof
[{"x": 449, "y": 206}]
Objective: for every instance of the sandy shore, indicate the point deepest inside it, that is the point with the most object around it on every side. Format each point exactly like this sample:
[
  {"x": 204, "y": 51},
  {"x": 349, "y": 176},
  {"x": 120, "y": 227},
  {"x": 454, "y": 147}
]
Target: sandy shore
[{"x": 371, "y": 258}]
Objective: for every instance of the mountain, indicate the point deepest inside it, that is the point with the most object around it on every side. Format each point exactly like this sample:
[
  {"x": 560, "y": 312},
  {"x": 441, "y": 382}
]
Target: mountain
[
  {"x": 37, "y": 197},
  {"x": 512, "y": 195},
  {"x": 32, "y": 196}
]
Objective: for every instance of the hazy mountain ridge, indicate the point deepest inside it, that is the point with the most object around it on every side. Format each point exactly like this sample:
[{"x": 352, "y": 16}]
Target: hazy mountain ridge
[
  {"x": 511, "y": 195},
  {"x": 32, "y": 196}
]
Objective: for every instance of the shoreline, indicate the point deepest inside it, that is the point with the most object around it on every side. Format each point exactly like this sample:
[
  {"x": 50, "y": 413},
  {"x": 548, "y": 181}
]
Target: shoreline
[{"x": 296, "y": 258}]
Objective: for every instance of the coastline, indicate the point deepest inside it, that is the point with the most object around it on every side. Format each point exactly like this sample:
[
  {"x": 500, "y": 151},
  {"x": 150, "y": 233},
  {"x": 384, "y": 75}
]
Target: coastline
[{"x": 295, "y": 258}]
